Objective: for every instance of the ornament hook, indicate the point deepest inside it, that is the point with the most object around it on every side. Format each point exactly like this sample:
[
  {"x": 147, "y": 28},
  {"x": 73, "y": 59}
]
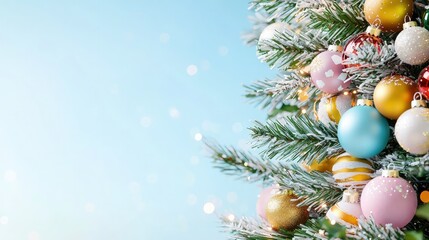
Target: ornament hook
[
  {"x": 391, "y": 166},
  {"x": 419, "y": 95},
  {"x": 407, "y": 18},
  {"x": 376, "y": 23}
]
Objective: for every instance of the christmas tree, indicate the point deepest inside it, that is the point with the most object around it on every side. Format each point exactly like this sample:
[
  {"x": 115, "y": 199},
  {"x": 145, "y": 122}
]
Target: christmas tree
[{"x": 344, "y": 151}]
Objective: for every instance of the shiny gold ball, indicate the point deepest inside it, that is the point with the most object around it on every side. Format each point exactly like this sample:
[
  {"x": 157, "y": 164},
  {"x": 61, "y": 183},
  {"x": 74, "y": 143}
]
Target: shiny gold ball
[
  {"x": 323, "y": 166},
  {"x": 389, "y": 14},
  {"x": 393, "y": 95},
  {"x": 282, "y": 212}
]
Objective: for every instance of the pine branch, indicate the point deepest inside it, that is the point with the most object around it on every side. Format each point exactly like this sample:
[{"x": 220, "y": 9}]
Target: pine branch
[
  {"x": 239, "y": 163},
  {"x": 297, "y": 139},
  {"x": 283, "y": 10},
  {"x": 316, "y": 189},
  {"x": 291, "y": 50},
  {"x": 372, "y": 65},
  {"x": 368, "y": 229},
  {"x": 413, "y": 168},
  {"x": 251, "y": 229},
  {"x": 259, "y": 22},
  {"x": 339, "y": 19}
]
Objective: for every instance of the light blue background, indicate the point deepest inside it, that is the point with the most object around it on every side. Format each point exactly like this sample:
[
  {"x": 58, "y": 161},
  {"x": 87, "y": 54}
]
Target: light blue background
[{"x": 88, "y": 146}]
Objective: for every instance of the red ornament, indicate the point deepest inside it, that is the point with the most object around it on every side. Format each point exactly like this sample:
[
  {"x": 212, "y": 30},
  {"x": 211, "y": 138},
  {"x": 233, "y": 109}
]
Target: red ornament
[
  {"x": 371, "y": 35},
  {"x": 423, "y": 82}
]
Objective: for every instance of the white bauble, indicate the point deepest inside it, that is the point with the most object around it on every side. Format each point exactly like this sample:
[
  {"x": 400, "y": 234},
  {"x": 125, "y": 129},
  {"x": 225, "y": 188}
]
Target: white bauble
[
  {"x": 347, "y": 211},
  {"x": 412, "y": 44},
  {"x": 273, "y": 29},
  {"x": 331, "y": 109},
  {"x": 349, "y": 171},
  {"x": 412, "y": 130}
]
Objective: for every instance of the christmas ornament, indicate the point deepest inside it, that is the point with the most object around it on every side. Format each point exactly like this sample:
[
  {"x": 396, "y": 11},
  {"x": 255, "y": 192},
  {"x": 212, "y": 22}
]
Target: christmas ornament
[
  {"x": 423, "y": 82},
  {"x": 362, "y": 131},
  {"x": 389, "y": 199},
  {"x": 412, "y": 128},
  {"x": 426, "y": 19},
  {"x": 331, "y": 109},
  {"x": 412, "y": 44},
  {"x": 347, "y": 211},
  {"x": 390, "y": 13},
  {"x": 370, "y": 36},
  {"x": 326, "y": 71},
  {"x": 263, "y": 199},
  {"x": 349, "y": 171},
  {"x": 273, "y": 29},
  {"x": 393, "y": 94},
  {"x": 323, "y": 166},
  {"x": 282, "y": 212}
]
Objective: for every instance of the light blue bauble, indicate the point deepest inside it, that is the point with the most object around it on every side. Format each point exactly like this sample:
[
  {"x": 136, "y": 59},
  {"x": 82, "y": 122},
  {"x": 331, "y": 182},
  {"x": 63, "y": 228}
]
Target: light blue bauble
[{"x": 363, "y": 132}]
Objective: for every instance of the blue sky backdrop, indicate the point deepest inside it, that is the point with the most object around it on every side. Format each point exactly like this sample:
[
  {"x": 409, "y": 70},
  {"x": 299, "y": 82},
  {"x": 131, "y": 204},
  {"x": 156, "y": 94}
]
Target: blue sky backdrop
[{"x": 100, "y": 102}]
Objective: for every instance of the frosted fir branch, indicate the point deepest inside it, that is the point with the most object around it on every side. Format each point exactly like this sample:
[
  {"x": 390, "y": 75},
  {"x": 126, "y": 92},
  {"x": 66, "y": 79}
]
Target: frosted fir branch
[
  {"x": 283, "y": 10},
  {"x": 251, "y": 229},
  {"x": 293, "y": 50},
  {"x": 414, "y": 168},
  {"x": 260, "y": 20},
  {"x": 368, "y": 229},
  {"x": 338, "y": 18},
  {"x": 372, "y": 64},
  {"x": 239, "y": 163},
  {"x": 317, "y": 190},
  {"x": 297, "y": 139}
]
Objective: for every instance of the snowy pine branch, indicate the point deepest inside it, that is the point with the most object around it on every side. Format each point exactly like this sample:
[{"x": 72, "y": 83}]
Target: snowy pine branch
[
  {"x": 259, "y": 22},
  {"x": 284, "y": 10},
  {"x": 316, "y": 189},
  {"x": 368, "y": 229},
  {"x": 239, "y": 163},
  {"x": 297, "y": 139},
  {"x": 292, "y": 50},
  {"x": 413, "y": 167}
]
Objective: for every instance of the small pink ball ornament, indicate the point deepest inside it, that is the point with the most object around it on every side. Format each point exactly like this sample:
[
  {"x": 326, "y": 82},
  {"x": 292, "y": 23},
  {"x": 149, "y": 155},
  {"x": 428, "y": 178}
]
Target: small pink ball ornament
[
  {"x": 326, "y": 71},
  {"x": 389, "y": 199},
  {"x": 263, "y": 199}
]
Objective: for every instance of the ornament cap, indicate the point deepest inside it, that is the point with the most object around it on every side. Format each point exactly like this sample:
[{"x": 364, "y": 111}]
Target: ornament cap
[
  {"x": 335, "y": 48},
  {"x": 364, "y": 102},
  {"x": 371, "y": 30},
  {"x": 410, "y": 24},
  {"x": 351, "y": 196},
  {"x": 390, "y": 173},
  {"x": 418, "y": 101}
]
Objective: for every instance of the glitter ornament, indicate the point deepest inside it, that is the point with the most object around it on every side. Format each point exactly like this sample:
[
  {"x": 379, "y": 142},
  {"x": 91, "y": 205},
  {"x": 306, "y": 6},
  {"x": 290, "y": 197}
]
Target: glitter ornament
[
  {"x": 393, "y": 94},
  {"x": 331, "y": 109},
  {"x": 326, "y": 71},
  {"x": 263, "y": 199},
  {"x": 282, "y": 212},
  {"x": 362, "y": 131},
  {"x": 370, "y": 36},
  {"x": 389, "y": 199},
  {"x": 412, "y": 44},
  {"x": 412, "y": 128},
  {"x": 423, "y": 82},
  {"x": 349, "y": 171},
  {"x": 390, "y": 13},
  {"x": 272, "y": 30},
  {"x": 347, "y": 211}
]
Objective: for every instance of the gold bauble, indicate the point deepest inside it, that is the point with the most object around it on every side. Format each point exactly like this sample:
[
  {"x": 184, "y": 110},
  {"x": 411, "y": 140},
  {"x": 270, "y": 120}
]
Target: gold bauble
[
  {"x": 390, "y": 14},
  {"x": 393, "y": 94},
  {"x": 322, "y": 166},
  {"x": 282, "y": 212}
]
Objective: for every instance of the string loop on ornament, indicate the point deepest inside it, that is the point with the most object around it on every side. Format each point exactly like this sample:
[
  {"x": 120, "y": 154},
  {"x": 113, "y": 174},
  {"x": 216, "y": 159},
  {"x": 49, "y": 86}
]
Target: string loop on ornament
[
  {"x": 337, "y": 42},
  {"x": 407, "y": 18},
  {"x": 391, "y": 166},
  {"x": 419, "y": 95},
  {"x": 376, "y": 23}
]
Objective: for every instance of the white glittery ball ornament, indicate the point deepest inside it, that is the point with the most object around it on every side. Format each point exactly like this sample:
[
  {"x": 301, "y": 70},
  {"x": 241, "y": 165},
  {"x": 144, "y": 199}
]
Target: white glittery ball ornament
[
  {"x": 412, "y": 44},
  {"x": 412, "y": 128},
  {"x": 273, "y": 29},
  {"x": 347, "y": 211},
  {"x": 389, "y": 199},
  {"x": 331, "y": 109}
]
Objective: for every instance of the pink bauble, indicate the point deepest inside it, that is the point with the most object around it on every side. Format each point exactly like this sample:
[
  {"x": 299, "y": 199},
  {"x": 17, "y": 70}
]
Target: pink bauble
[
  {"x": 327, "y": 74},
  {"x": 389, "y": 200},
  {"x": 264, "y": 198}
]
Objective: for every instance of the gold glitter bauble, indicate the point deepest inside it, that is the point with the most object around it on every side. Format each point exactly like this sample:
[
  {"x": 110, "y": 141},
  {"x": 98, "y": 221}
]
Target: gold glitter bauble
[
  {"x": 282, "y": 212},
  {"x": 390, "y": 14},
  {"x": 323, "y": 166},
  {"x": 393, "y": 94}
]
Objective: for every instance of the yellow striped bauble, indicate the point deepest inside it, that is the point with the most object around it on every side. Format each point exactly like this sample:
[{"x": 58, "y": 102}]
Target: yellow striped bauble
[
  {"x": 349, "y": 171},
  {"x": 347, "y": 211}
]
